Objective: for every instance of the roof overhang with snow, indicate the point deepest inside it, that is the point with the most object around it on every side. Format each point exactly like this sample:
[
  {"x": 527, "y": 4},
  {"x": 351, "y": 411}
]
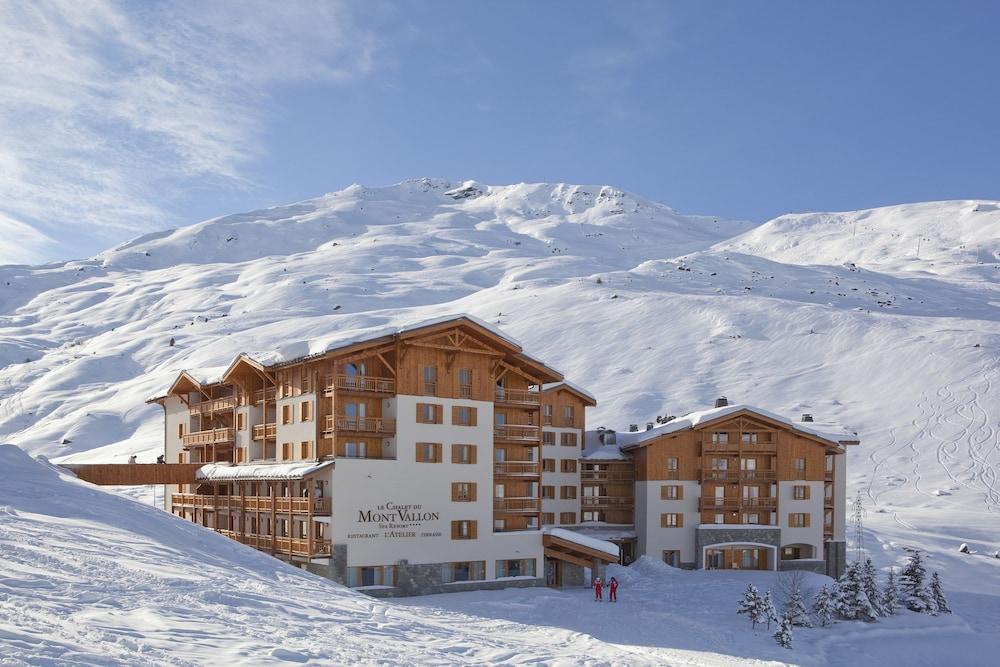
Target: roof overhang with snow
[
  {"x": 576, "y": 390},
  {"x": 215, "y": 472}
]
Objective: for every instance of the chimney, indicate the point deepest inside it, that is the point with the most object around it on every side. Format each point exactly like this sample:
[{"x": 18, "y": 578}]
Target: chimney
[
  {"x": 610, "y": 438},
  {"x": 632, "y": 428},
  {"x": 721, "y": 402},
  {"x": 649, "y": 426},
  {"x": 807, "y": 417}
]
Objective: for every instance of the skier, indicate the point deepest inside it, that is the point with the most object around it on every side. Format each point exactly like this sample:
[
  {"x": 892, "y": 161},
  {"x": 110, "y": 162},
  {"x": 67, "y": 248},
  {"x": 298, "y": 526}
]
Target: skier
[
  {"x": 613, "y": 590},
  {"x": 598, "y": 587},
  {"x": 132, "y": 459}
]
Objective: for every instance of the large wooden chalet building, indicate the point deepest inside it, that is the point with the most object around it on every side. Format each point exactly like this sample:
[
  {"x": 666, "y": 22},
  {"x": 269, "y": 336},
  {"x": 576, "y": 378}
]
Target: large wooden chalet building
[{"x": 443, "y": 457}]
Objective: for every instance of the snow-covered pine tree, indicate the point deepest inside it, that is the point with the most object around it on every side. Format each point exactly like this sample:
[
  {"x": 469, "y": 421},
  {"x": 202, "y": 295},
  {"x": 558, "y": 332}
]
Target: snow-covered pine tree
[
  {"x": 752, "y": 605},
  {"x": 938, "y": 593},
  {"x": 913, "y": 584},
  {"x": 783, "y": 635},
  {"x": 890, "y": 594},
  {"x": 770, "y": 613},
  {"x": 852, "y": 602},
  {"x": 795, "y": 609},
  {"x": 824, "y": 605},
  {"x": 869, "y": 583}
]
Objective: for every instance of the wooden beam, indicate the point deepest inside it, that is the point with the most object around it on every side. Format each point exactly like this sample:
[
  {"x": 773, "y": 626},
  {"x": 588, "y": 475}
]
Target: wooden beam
[
  {"x": 560, "y": 555},
  {"x": 435, "y": 346},
  {"x": 388, "y": 366}
]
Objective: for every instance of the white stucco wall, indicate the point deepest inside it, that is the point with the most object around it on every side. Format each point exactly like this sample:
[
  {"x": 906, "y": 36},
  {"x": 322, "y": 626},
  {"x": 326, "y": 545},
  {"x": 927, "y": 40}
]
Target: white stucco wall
[
  {"x": 654, "y": 540},
  {"x": 175, "y": 412},
  {"x": 787, "y": 504},
  {"x": 298, "y": 431},
  {"x": 559, "y": 479},
  {"x": 840, "y": 496}
]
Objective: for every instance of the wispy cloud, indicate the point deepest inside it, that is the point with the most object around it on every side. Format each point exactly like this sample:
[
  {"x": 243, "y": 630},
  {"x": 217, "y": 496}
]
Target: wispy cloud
[{"x": 106, "y": 107}]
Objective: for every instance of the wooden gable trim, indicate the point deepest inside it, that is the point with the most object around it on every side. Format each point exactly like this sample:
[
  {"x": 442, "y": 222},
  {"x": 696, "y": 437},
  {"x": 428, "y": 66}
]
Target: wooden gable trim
[
  {"x": 587, "y": 400},
  {"x": 767, "y": 420},
  {"x": 572, "y": 548}
]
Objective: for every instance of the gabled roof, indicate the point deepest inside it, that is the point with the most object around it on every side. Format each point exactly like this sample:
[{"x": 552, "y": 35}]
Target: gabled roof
[
  {"x": 576, "y": 389},
  {"x": 704, "y": 418},
  {"x": 191, "y": 379}
]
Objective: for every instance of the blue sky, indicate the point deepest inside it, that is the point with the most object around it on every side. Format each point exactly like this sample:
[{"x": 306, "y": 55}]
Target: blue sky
[{"x": 121, "y": 118}]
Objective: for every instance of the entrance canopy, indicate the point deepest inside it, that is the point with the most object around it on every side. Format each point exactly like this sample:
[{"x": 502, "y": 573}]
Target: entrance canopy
[{"x": 566, "y": 545}]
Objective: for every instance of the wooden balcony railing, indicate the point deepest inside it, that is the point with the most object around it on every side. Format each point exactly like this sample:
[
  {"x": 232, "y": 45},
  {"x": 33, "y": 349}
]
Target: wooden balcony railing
[
  {"x": 518, "y": 468},
  {"x": 360, "y": 383},
  {"x": 265, "y": 431},
  {"x": 521, "y": 396},
  {"x": 709, "y": 446},
  {"x": 757, "y": 474},
  {"x": 359, "y": 425},
  {"x": 215, "y": 436},
  {"x": 828, "y": 475},
  {"x": 721, "y": 475},
  {"x": 711, "y": 503},
  {"x": 216, "y": 405},
  {"x": 760, "y": 503},
  {"x": 515, "y": 432},
  {"x": 298, "y": 546},
  {"x": 281, "y": 504},
  {"x": 266, "y": 394},
  {"x": 610, "y": 502},
  {"x": 606, "y": 476},
  {"x": 517, "y": 505}
]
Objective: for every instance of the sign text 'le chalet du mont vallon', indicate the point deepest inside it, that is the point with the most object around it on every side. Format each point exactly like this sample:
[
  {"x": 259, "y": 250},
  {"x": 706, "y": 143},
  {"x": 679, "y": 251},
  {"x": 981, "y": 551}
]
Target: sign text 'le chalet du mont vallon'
[{"x": 398, "y": 520}]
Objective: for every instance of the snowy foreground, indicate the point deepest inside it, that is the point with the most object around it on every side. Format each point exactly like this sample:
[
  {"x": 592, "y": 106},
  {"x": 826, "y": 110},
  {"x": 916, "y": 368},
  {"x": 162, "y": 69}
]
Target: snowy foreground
[{"x": 89, "y": 577}]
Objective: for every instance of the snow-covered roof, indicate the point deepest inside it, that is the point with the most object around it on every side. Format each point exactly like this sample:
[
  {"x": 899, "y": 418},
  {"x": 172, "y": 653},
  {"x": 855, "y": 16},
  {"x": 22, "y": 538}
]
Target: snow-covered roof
[
  {"x": 583, "y": 540},
  {"x": 221, "y": 472},
  {"x": 694, "y": 419},
  {"x": 604, "y": 453},
  {"x": 569, "y": 385},
  {"x": 606, "y": 531},
  {"x": 207, "y": 375}
]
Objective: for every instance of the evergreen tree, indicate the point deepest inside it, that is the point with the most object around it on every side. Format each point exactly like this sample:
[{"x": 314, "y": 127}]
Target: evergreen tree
[
  {"x": 870, "y": 585},
  {"x": 752, "y": 605},
  {"x": 890, "y": 595},
  {"x": 938, "y": 593},
  {"x": 770, "y": 613},
  {"x": 852, "y": 601},
  {"x": 796, "y": 610},
  {"x": 783, "y": 635},
  {"x": 823, "y": 606},
  {"x": 913, "y": 585}
]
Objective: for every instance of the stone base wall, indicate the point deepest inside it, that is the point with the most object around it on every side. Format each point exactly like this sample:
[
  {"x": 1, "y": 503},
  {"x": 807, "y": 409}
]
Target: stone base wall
[
  {"x": 806, "y": 565},
  {"x": 428, "y": 588},
  {"x": 706, "y": 537},
  {"x": 835, "y": 555}
]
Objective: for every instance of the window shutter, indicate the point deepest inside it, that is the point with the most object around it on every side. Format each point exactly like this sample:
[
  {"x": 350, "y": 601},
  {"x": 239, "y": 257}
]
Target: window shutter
[
  {"x": 680, "y": 520},
  {"x": 473, "y": 530},
  {"x": 454, "y": 530},
  {"x": 472, "y": 492}
]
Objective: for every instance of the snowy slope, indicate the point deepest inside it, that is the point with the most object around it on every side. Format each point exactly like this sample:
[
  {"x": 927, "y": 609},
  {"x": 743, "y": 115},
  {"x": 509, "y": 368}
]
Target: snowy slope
[{"x": 653, "y": 311}]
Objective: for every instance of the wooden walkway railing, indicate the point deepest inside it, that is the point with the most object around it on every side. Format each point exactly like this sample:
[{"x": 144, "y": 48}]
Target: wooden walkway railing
[{"x": 135, "y": 474}]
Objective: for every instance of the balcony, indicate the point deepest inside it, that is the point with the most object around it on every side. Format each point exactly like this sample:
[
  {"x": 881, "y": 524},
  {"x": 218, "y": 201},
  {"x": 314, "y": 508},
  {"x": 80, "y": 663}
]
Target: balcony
[
  {"x": 517, "y": 505},
  {"x": 828, "y": 475},
  {"x": 757, "y": 475},
  {"x": 215, "y": 436},
  {"x": 515, "y": 433},
  {"x": 266, "y": 394},
  {"x": 516, "y": 468},
  {"x": 265, "y": 431},
  {"x": 217, "y": 405},
  {"x": 606, "y": 475},
  {"x": 297, "y": 546},
  {"x": 344, "y": 424},
  {"x": 607, "y": 502},
  {"x": 721, "y": 475},
  {"x": 360, "y": 384},
  {"x": 760, "y": 503},
  {"x": 709, "y": 446},
  {"x": 710, "y": 504},
  {"x": 280, "y": 504},
  {"x": 517, "y": 396}
]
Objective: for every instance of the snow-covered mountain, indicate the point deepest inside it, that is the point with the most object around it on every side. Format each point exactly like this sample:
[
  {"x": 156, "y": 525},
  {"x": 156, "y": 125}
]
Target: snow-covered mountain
[{"x": 653, "y": 311}]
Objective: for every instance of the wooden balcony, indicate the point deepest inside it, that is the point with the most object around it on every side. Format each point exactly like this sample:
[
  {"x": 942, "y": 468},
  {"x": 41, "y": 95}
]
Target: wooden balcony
[
  {"x": 516, "y": 468},
  {"x": 217, "y": 405},
  {"x": 606, "y": 475},
  {"x": 757, "y": 475},
  {"x": 267, "y": 431},
  {"x": 360, "y": 384},
  {"x": 280, "y": 504},
  {"x": 297, "y": 546},
  {"x": 344, "y": 424},
  {"x": 607, "y": 502},
  {"x": 767, "y": 503},
  {"x": 517, "y": 397},
  {"x": 516, "y": 433},
  {"x": 266, "y": 394},
  {"x": 215, "y": 436},
  {"x": 721, "y": 475},
  {"x": 517, "y": 505},
  {"x": 828, "y": 475},
  {"x": 709, "y": 446},
  {"x": 710, "y": 503}
]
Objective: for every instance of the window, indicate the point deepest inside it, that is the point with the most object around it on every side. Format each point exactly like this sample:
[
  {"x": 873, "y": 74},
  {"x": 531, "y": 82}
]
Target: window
[
  {"x": 748, "y": 438},
  {"x": 720, "y": 438},
  {"x": 428, "y": 452},
  {"x": 672, "y": 520},
  {"x": 430, "y": 380},
  {"x": 567, "y": 493},
  {"x": 429, "y": 413},
  {"x": 286, "y": 450},
  {"x": 720, "y": 518},
  {"x": 800, "y": 492},
  {"x": 751, "y": 518},
  {"x": 548, "y": 465},
  {"x": 180, "y": 457},
  {"x": 672, "y": 558},
  {"x": 516, "y": 568},
  {"x": 719, "y": 464},
  {"x": 567, "y": 518},
  {"x": 548, "y": 438},
  {"x": 672, "y": 467},
  {"x": 799, "y": 468},
  {"x": 470, "y": 571},
  {"x": 240, "y": 455},
  {"x": 241, "y": 421},
  {"x": 355, "y": 450},
  {"x": 465, "y": 383},
  {"x": 305, "y": 381},
  {"x": 463, "y": 530},
  {"x": 378, "y": 575},
  {"x": 305, "y": 449},
  {"x": 548, "y": 492},
  {"x": 463, "y": 492},
  {"x": 180, "y": 430},
  {"x": 462, "y": 415},
  {"x": 465, "y": 454},
  {"x": 593, "y": 516},
  {"x": 567, "y": 439},
  {"x": 547, "y": 415},
  {"x": 798, "y": 520},
  {"x": 305, "y": 411},
  {"x": 568, "y": 465},
  {"x": 568, "y": 415},
  {"x": 286, "y": 414},
  {"x": 671, "y": 492},
  {"x": 548, "y": 518}
]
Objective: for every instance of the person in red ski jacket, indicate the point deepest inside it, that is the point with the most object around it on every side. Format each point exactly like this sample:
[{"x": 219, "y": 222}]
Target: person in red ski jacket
[
  {"x": 613, "y": 590},
  {"x": 598, "y": 587}
]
